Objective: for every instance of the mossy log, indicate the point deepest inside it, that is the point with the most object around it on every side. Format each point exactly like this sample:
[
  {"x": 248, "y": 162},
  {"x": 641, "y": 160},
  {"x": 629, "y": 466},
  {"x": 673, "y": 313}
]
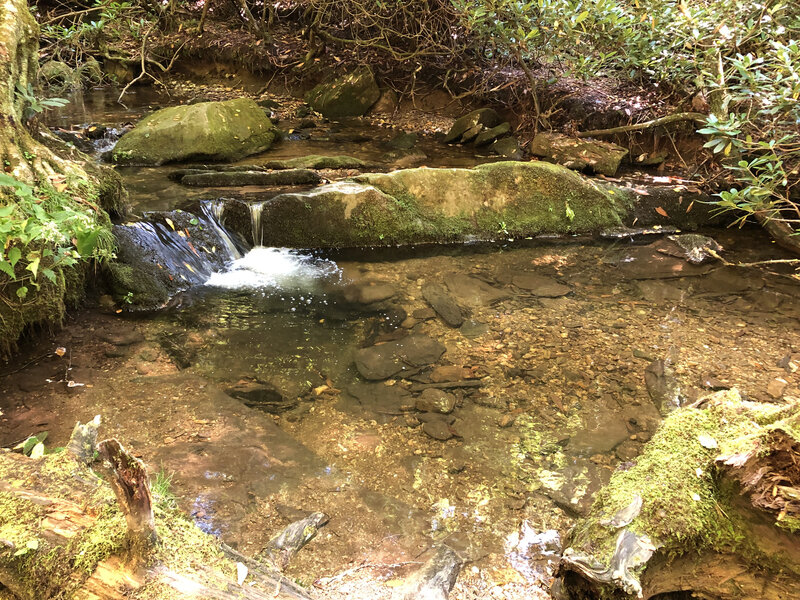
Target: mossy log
[
  {"x": 64, "y": 535},
  {"x": 710, "y": 510}
]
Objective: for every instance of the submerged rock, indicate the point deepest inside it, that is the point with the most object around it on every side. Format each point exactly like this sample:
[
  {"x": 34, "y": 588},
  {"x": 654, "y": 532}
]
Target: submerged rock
[
  {"x": 316, "y": 161},
  {"x": 385, "y": 360},
  {"x": 443, "y": 303},
  {"x": 579, "y": 154},
  {"x": 214, "y": 131},
  {"x": 438, "y": 401},
  {"x": 348, "y": 96},
  {"x": 261, "y": 395},
  {"x": 540, "y": 285},
  {"x": 663, "y": 387}
]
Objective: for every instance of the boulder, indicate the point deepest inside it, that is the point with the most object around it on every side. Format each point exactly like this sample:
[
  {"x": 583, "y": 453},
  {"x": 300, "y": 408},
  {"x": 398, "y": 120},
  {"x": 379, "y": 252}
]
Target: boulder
[
  {"x": 316, "y": 161},
  {"x": 579, "y": 154},
  {"x": 216, "y": 131},
  {"x": 507, "y": 147},
  {"x": 487, "y": 136},
  {"x": 385, "y": 360},
  {"x": 57, "y": 74},
  {"x": 416, "y": 206},
  {"x": 478, "y": 119},
  {"x": 348, "y": 96}
]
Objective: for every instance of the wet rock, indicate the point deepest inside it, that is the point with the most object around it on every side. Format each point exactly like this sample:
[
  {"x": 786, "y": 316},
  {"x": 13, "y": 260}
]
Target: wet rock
[
  {"x": 628, "y": 450},
  {"x": 369, "y": 292},
  {"x": 579, "y": 154},
  {"x": 407, "y": 159},
  {"x": 438, "y": 429},
  {"x": 317, "y": 161},
  {"x": 291, "y": 540},
  {"x": 443, "y": 303},
  {"x": 507, "y": 147},
  {"x": 435, "y": 578},
  {"x": 348, "y": 96},
  {"x": 223, "y": 131},
  {"x": 261, "y": 395},
  {"x": 646, "y": 262},
  {"x": 433, "y": 400},
  {"x": 444, "y": 373},
  {"x": 424, "y": 314},
  {"x": 709, "y": 382},
  {"x": 487, "y": 136},
  {"x": 244, "y": 178},
  {"x": 307, "y": 124},
  {"x": 694, "y": 247},
  {"x": 393, "y": 358},
  {"x": 540, "y": 285},
  {"x": 659, "y": 291},
  {"x": 776, "y": 387},
  {"x": 402, "y": 141},
  {"x": 601, "y": 431},
  {"x": 382, "y": 399},
  {"x": 483, "y": 117},
  {"x": 472, "y": 291},
  {"x": 120, "y": 337},
  {"x": 662, "y": 386},
  {"x": 472, "y": 328},
  {"x": 728, "y": 280}
]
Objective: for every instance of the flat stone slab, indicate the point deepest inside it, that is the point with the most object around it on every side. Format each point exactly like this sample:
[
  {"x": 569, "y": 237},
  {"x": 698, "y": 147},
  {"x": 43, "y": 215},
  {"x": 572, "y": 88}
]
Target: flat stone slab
[
  {"x": 443, "y": 303},
  {"x": 539, "y": 285},
  {"x": 386, "y": 360},
  {"x": 471, "y": 291},
  {"x": 241, "y": 178}
]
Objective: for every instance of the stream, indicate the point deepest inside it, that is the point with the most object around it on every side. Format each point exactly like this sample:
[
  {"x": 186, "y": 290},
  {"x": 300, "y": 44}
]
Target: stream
[{"x": 248, "y": 391}]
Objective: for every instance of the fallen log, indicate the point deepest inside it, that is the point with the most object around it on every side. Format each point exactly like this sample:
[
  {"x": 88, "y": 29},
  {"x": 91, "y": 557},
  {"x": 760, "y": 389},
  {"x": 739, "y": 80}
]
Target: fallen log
[
  {"x": 710, "y": 510},
  {"x": 698, "y": 118},
  {"x": 63, "y": 534}
]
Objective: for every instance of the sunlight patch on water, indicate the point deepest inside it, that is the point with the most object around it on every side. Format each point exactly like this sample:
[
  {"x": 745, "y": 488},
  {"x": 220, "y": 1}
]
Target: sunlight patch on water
[{"x": 275, "y": 268}]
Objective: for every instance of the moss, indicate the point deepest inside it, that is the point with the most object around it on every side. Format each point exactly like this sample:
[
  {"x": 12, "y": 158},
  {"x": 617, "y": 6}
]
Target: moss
[
  {"x": 317, "y": 161},
  {"x": 685, "y": 506}
]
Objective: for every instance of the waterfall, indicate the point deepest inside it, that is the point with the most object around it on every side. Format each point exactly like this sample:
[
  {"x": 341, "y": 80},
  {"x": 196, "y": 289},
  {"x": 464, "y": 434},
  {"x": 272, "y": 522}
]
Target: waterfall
[
  {"x": 256, "y": 209},
  {"x": 213, "y": 211}
]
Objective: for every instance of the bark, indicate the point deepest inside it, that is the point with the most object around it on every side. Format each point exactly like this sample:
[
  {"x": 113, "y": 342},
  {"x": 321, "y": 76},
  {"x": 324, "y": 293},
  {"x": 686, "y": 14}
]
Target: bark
[
  {"x": 128, "y": 478},
  {"x": 783, "y": 233},
  {"x": 698, "y": 118}
]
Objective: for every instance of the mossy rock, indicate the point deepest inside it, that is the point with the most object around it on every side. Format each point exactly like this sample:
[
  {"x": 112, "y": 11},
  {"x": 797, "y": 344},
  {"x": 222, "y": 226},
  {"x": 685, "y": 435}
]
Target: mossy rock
[
  {"x": 59, "y": 75},
  {"x": 215, "y": 131},
  {"x": 348, "y": 96},
  {"x": 316, "y": 161},
  {"x": 469, "y": 126},
  {"x": 579, "y": 154},
  {"x": 419, "y": 206}
]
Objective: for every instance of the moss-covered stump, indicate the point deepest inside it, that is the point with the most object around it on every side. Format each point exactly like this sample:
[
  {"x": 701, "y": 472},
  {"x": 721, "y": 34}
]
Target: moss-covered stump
[
  {"x": 62, "y": 535},
  {"x": 710, "y": 508},
  {"x": 348, "y": 96},
  {"x": 216, "y": 131}
]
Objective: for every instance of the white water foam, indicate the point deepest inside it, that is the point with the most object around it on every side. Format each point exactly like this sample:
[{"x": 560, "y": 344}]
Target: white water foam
[{"x": 275, "y": 268}]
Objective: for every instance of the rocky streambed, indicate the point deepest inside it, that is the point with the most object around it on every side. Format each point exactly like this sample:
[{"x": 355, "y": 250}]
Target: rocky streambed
[{"x": 454, "y": 406}]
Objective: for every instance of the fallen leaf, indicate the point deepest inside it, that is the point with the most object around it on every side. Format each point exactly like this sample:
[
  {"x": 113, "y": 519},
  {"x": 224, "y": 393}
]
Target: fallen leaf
[{"x": 661, "y": 211}]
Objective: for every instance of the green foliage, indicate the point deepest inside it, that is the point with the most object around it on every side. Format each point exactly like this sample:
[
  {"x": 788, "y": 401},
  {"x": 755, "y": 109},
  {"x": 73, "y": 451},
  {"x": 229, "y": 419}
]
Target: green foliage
[
  {"x": 742, "y": 56},
  {"x": 34, "y": 105},
  {"x": 44, "y": 230}
]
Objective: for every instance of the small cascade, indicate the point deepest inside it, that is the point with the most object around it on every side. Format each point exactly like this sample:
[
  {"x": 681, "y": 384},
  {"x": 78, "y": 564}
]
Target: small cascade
[
  {"x": 178, "y": 248},
  {"x": 213, "y": 212},
  {"x": 256, "y": 209}
]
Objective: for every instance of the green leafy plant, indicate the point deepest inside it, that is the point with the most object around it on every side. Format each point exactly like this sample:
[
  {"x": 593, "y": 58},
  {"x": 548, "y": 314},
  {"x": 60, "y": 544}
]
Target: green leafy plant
[
  {"x": 35, "y": 105},
  {"x": 42, "y": 231}
]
